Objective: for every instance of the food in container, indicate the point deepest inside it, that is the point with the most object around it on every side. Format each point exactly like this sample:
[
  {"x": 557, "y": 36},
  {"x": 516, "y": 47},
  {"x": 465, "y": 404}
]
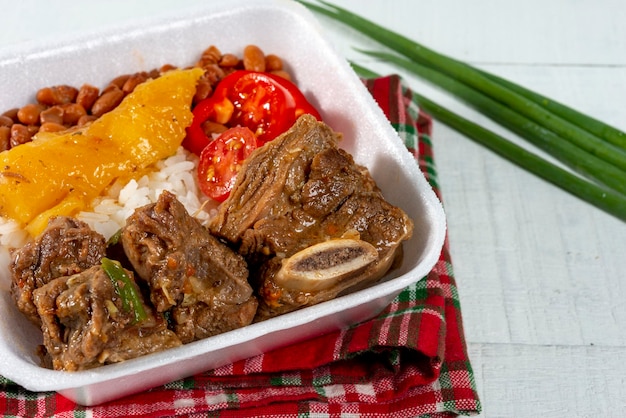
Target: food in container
[{"x": 344, "y": 105}]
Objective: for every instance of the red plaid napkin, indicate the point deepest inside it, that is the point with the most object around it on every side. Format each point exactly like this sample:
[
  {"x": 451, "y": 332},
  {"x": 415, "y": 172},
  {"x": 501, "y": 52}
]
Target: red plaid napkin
[{"x": 409, "y": 361}]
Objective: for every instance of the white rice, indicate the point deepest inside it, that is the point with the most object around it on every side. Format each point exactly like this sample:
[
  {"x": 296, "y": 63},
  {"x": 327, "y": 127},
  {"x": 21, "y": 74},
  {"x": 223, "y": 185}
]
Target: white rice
[{"x": 176, "y": 174}]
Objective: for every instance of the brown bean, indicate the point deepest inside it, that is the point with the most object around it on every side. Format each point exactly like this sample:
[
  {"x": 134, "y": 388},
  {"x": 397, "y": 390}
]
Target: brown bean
[
  {"x": 229, "y": 70},
  {"x": 29, "y": 114},
  {"x": 6, "y": 121},
  {"x": 12, "y": 114},
  {"x": 167, "y": 67},
  {"x": 119, "y": 80},
  {"x": 229, "y": 60},
  {"x": 211, "y": 55},
  {"x": 210, "y": 128},
  {"x": 253, "y": 58},
  {"x": 5, "y": 138},
  {"x": 32, "y": 129},
  {"x": 133, "y": 81},
  {"x": 108, "y": 89},
  {"x": 213, "y": 73},
  {"x": 282, "y": 73},
  {"x": 51, "y": 127},
  {"x": 85, "y": 119},
  {"x": 55, "y": 95},
  {"x": 53, "y": 114},
  {"x": 203, "y": 90},
  {"x": 20, "y": 134},
  {"x": 107, "y": 101},
  {"x": 87, "y": 95},
  {"x": 72, "y": 112},
  {"x": 273, "y": 63}
]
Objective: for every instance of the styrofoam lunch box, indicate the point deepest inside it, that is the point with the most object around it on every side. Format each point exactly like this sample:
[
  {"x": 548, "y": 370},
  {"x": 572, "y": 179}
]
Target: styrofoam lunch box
[{"x": 280, "y": 27}]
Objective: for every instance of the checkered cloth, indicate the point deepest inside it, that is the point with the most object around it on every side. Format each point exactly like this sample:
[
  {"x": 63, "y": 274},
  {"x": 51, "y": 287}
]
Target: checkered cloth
[{"x": 409, "y": 361}]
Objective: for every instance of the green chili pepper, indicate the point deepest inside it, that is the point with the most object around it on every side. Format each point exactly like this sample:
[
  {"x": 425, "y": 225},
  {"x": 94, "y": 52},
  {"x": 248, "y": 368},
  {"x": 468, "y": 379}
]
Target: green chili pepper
[
  {"x": 115, "y": 238},
  {"x": 125, "y": 288}
]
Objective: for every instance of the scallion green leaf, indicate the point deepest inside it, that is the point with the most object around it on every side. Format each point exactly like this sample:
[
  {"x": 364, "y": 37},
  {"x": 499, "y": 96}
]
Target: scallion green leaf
[
  {"x": 593, "y": 125},
  {"x": 416, "y": 52},
  {"x": 606, "y": 200},
  {"x": 588, "y": 146},
  {"x": 580, "y": 161}
]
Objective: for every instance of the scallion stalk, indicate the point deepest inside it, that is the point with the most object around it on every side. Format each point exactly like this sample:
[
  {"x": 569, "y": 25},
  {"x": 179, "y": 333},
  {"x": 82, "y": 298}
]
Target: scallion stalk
[
  {"x": 606, "y": 200},
  {"x": 582, "y": 138},
  {"x": 569, "y": 154},
  {"x": 593, "y": 125}
]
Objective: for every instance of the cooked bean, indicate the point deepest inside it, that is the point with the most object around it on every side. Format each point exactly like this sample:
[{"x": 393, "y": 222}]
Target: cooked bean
[
  {"x": 282, "y": 73},
  {"x": 107, "y": 101},
  {"x": 71, "y": 113},
  {"x": 119, "y": 81},
  {"x": 210, "y": 128},
  {"x": 12, "y": 114},
  {"x": 154, "y": 73},
  {"x": 211, "y": 55},
  {"x": 87, "y": 95},
  {"x": 108, "y": 89},
  {"x": 167, "y": 67},
  {"x": 5, "y": 138},
  {"x": 213, "y": 73},
  {"x": 32, "y": 129},
  {"x": 20, "y": 134},
  {"x": 53, "y": 114},
  {"x": 203, "y": 89},
  {"x": 55, "y": 95},
  {"x": 29, "y": 114},
  {"x": 229, "y": 60},
  {"x": 51, "y": 127},
  {"x": 253, "y": 58},
  {"x": 273, "y": 63},
  {"x": 85, "y": 119},
  {"x": 6, "y": 121},
  {"x": 133, "y": 81}
]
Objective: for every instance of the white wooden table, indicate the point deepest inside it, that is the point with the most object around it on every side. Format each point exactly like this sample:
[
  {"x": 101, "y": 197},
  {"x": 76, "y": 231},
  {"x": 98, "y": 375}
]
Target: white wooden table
[{"x": 540, "y": 273}]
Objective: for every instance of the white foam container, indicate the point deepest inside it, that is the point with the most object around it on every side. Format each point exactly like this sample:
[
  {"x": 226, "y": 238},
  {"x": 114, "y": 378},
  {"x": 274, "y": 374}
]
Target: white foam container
[{"x": 281, "y": 27}]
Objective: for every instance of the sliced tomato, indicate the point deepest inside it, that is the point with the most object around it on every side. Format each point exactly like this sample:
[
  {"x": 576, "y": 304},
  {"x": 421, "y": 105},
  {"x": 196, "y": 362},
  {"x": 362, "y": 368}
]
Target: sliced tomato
[
  {"x": 265, "y": 103},
  {"x": 221, "y": 160}
]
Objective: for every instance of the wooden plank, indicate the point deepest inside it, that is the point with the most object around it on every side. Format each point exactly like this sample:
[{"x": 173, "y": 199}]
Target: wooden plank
[{"x": 549, "y": 381}]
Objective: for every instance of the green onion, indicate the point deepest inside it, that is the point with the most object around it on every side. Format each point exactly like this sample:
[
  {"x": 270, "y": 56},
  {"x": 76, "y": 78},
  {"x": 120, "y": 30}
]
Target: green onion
[
  {"x": 478, "y": 80},
  {"x": 607, "y": 200},
  {"x": 596, "y": 127},
  {"x": 576, "y": 158},
  {"x": 125, "y": 288},
  {"x": 587, "y": 145}
]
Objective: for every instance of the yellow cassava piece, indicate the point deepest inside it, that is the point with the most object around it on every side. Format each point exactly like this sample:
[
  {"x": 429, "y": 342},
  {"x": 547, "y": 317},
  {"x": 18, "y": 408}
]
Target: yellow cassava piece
[{"x": 61, "y": 173}]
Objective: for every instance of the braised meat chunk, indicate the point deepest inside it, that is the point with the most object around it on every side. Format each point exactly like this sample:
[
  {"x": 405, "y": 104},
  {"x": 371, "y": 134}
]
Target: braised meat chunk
[
  {"x": 197, "y": 279},
  {"x": 85, "y": 323},
  {"x": 66, "y": 247},
  {"x": 309, "y": 220}
]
